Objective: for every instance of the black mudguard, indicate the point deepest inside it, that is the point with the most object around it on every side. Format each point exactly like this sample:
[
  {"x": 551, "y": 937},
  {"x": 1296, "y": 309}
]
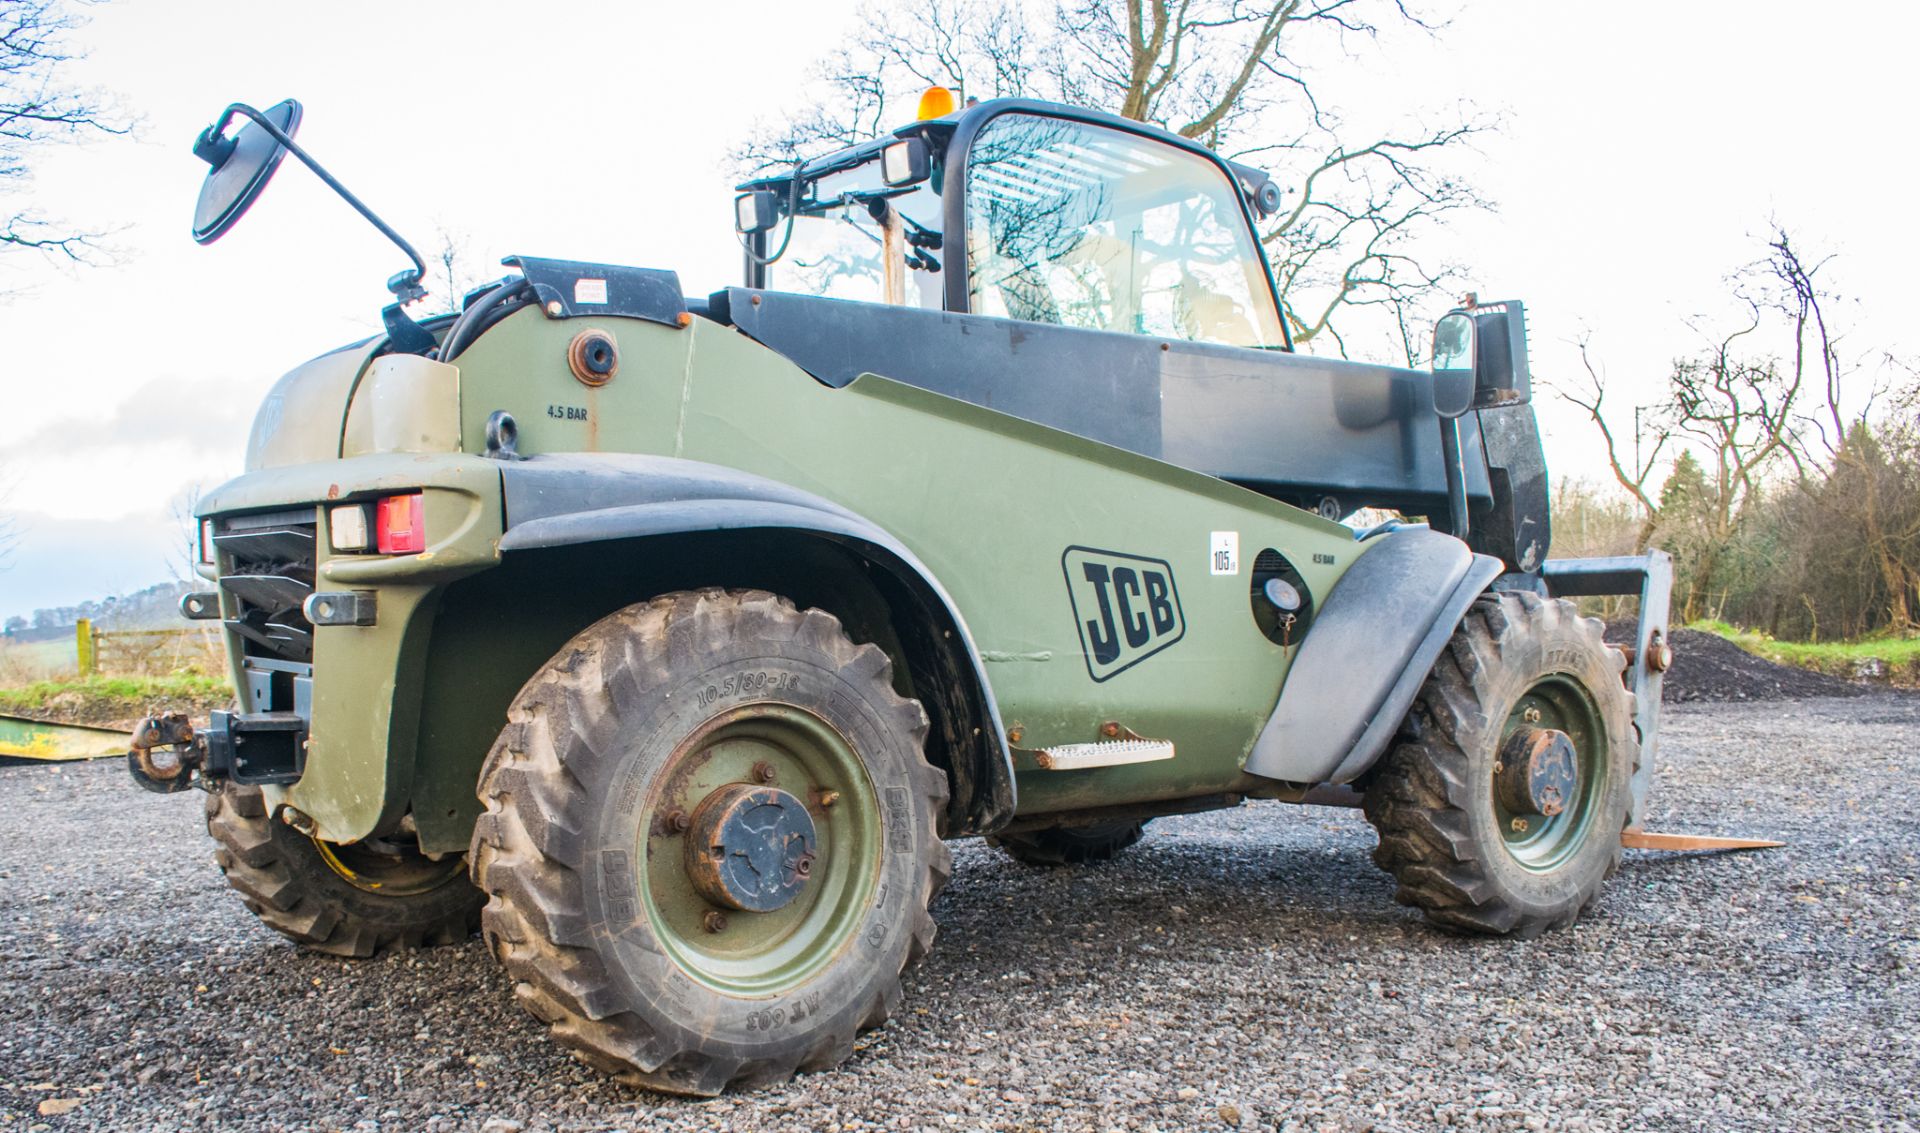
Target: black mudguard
[
  {"x": 554, "y": 501},
  {"x": 1370, "y": 649}
]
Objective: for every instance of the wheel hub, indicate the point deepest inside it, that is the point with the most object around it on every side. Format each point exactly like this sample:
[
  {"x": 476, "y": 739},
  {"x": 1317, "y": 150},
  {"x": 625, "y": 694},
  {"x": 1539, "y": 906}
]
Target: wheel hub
[
  {"x": 1538, "y": 772},
  {"x": 750, "y": 848}
]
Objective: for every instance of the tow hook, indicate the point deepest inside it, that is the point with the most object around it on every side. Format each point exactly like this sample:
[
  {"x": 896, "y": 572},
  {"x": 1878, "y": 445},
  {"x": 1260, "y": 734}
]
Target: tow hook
[
  {"x": 165, "y": 752},
  {"x": 169, "y": 754}
]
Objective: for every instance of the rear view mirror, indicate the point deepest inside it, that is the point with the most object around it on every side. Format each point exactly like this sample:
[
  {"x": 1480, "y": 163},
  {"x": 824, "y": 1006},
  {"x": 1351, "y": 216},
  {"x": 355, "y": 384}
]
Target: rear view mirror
[
  {"x": 242, "y": 165},
  {"x": 1453, "y": 364}
]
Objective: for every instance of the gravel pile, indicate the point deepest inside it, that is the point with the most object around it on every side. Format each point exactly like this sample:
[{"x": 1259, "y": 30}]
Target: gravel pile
[
  {"x": 1238, "y": 970},
  {"x": 1707, "y": 666}
]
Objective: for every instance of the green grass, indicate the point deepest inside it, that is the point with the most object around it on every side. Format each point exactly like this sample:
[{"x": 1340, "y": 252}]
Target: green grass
[
  {"x": 106, "y": 698},
  {"x": 1900, "y": 656}
]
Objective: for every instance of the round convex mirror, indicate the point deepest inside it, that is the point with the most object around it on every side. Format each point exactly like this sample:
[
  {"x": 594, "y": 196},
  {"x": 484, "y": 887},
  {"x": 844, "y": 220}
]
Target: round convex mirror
[{"x": 246, "y": 161}]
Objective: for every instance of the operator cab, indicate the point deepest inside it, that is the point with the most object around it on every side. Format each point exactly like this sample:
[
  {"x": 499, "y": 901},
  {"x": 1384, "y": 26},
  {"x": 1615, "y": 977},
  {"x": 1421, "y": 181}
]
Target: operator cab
[
  {"x": 1106, "y": 278},
  {"x": 1069, "y": 218}
]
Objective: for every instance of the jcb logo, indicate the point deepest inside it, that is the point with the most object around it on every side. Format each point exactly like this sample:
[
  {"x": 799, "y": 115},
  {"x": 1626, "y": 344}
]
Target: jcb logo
[{"x": 1126, "y": 606}]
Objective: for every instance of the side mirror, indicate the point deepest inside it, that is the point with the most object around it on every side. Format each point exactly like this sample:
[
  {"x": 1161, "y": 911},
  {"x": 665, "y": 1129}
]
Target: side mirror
[
  {"x": 242, "y": 165},
  {"x": 1453, "y": 364}
]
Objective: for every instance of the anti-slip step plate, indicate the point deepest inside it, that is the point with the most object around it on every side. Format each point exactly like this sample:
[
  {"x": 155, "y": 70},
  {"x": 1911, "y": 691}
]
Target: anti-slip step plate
[{"x": 1108, "y": 753}]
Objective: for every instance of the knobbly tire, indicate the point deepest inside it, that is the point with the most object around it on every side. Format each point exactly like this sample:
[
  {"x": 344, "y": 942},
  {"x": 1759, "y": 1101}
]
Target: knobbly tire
[
  {"x": 648, "y": 809},
  {"x": 1070, "y": 845},
  {"x": 1524, "y": 714},
  {"x": 345, "y": 900}
]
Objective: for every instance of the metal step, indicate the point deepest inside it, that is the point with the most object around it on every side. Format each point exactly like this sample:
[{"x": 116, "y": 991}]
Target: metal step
[{"x": 1107, "y": 753}]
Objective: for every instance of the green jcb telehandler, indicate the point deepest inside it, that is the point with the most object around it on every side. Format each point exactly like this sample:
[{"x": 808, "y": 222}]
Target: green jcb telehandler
[{"x": 668, "y": 639}]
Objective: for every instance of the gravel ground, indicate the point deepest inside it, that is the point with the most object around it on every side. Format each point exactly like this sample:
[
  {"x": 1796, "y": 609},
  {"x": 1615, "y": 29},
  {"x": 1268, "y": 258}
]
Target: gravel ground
[{"x": 1238, "y": 969}]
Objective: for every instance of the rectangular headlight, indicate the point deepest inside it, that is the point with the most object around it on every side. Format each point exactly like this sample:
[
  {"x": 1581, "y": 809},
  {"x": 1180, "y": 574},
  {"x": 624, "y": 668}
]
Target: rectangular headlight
[
  {"x": 347, "y": 528},
  {"x": 756, "y": 211},
  {"x": 905, "y": 162}
]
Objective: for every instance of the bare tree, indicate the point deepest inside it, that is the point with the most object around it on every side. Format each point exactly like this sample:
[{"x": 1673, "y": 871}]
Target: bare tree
[
  {"x": 1877, "y": 501},
  {"x": 1589, "y": 394},
  {"x": 37, "y": 109},
  {"x": 9, "y": 536},
  {"x": 451, "y": 270},
  {"x": 1232, "y": 74},
  {"x": 1747, "y": 419}
]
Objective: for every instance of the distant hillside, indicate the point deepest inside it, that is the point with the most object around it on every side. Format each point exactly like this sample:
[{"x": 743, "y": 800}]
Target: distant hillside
[{"x": 156, "y": 607}]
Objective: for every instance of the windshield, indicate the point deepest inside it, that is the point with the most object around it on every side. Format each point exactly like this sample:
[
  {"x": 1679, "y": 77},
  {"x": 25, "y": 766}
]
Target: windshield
[
  {"x": 1087, "y": 226},
  {"x": 856, "y": 238}
]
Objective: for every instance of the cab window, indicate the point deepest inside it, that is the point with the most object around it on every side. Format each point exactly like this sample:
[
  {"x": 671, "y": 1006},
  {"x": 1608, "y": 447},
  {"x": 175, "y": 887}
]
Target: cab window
[
  {"x": 840, "y": 241},
  {"x": 1085, "y": 226}
]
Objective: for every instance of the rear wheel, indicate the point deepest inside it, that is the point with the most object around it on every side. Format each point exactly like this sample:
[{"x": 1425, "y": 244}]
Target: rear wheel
[
  {"x": 1500, "y": 810},
  {"x": 346, "y": 899},
  {"x": 710, "y": 841},
  {"x": 1070, "y": 845}
]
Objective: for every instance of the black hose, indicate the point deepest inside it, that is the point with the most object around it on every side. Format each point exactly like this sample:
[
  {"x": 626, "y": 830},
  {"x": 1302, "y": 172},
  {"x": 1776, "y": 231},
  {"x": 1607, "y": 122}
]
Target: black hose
[{"x": 480, "y": 316}]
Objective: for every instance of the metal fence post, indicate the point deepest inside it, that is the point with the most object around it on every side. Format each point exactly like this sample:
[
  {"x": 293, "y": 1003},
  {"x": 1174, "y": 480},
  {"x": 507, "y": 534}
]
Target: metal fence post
[{"x": 83, "y": 645}]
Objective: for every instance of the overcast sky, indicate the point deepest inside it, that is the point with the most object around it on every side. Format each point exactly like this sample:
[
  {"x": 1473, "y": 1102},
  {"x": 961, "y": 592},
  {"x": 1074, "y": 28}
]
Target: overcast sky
[{"x": 1644, "y": 152}]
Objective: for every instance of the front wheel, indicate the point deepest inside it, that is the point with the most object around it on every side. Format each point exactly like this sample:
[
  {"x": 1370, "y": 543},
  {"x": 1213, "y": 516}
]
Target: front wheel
[
  {"x": 1500, "y": 809},
  {"x": 345, "y": 899},
  {"x": 710, "y": 841}
]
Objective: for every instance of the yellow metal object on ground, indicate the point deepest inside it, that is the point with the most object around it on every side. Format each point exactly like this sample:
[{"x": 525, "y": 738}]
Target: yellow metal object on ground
[
  {"x": 1634, "y": 838},
  {"x": 39, "y": 739}
]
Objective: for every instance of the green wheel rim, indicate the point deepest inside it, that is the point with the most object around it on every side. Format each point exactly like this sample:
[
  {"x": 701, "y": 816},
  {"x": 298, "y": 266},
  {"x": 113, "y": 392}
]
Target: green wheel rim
[
  {"x": 1538, "y": 842},
  {"x": 764, "y": 954}
]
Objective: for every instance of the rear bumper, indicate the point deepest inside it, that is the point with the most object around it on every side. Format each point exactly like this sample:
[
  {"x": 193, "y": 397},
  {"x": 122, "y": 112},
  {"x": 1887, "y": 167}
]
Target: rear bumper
[{"x": 1650, "y": 578}]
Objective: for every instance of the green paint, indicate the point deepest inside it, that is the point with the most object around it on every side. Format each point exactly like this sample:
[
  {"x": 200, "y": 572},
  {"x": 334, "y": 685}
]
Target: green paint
[
  {"x": 770, "y": 952},
  {"x": 1543, "y": 843},
  {"x": 988, "y": 502}
]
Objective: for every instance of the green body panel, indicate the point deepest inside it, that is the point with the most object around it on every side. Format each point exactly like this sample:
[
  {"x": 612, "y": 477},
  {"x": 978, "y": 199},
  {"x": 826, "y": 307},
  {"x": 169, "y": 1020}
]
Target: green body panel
[{"x": 988, "y": 502}]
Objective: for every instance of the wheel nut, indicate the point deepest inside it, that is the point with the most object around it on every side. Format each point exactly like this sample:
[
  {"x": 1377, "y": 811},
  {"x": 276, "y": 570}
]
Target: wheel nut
[
  {"x": 1531, "y": 715},
  {"x": 1519, "y": 826},
  {"x": 803, "y": 867},
  {"x": 828, "y": 798},
  {"x": 678, "y": 821},
  {"x": 714, "y": 921},
  {"x": 763, "y": 772}
]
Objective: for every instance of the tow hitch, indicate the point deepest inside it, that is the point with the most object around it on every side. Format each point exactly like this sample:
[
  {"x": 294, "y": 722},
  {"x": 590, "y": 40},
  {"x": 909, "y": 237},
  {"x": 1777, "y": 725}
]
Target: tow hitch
[{"x": 167, "y": 754}]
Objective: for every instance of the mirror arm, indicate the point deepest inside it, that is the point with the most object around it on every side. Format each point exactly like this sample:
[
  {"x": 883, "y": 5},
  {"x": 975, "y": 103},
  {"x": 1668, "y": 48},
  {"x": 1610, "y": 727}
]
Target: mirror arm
[
  {"x": 213, "y": 147},
  {"x": 1456, "y": 476}
]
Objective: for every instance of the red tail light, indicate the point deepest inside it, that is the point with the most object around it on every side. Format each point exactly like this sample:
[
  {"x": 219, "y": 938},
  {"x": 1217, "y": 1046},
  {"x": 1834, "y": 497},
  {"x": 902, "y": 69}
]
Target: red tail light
[{"x": 400, "y": 525}]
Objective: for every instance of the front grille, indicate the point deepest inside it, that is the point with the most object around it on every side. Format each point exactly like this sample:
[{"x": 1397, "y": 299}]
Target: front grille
[{"x": 268, "y": 559}]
